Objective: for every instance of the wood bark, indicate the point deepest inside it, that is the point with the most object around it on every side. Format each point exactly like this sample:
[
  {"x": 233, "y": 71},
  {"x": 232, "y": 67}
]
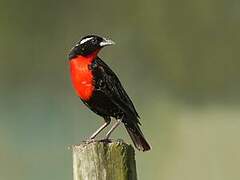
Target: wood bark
[{"x": 104, "y": 160}]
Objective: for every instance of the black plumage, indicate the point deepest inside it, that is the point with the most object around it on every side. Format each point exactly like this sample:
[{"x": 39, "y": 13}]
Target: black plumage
[{"x": 111, "y": 100}]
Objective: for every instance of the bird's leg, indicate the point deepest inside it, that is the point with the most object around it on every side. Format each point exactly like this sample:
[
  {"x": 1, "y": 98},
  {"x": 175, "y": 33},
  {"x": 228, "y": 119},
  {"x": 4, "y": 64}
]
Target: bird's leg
[
  {"x": 107, "y": 122},
  {"x": 113, "y": 128}
]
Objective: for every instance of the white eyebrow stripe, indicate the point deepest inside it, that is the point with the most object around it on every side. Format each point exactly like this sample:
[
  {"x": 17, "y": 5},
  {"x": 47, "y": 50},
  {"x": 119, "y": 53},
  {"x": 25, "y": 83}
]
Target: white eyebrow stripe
[{"x": 85, "y": 40}]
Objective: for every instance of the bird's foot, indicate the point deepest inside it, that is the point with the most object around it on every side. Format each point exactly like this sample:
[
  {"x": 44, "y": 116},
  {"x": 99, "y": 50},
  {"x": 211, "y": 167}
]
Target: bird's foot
[
  {"x": 107, "y": 140},
  {"x": 88, "y": 141}
]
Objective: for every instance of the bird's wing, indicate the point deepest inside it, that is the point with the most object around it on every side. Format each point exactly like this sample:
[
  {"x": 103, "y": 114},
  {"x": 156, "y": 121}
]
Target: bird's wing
[{"x": 113, "y": 88}]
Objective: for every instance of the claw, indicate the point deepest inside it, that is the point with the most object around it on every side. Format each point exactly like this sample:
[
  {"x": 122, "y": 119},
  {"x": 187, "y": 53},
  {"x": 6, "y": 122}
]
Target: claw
[
  {"x": 107, "y": 140},
  {"x": 89, "y": 140}
]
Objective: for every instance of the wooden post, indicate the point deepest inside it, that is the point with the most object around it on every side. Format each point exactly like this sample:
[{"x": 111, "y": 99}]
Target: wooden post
[{"x": 102, "y": 160}]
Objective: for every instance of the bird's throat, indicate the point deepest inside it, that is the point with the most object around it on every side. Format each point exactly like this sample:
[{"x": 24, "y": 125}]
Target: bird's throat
[{"x": 81, "y": 75}]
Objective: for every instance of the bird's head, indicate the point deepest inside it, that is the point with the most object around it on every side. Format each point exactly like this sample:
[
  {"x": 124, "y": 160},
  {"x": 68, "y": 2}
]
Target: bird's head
[{"x": 88, "y": 45}]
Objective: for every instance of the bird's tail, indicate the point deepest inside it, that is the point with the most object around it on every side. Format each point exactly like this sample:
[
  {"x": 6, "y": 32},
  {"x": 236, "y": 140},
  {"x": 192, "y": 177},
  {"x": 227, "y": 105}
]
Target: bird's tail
[{"x": 137, "y": 137}]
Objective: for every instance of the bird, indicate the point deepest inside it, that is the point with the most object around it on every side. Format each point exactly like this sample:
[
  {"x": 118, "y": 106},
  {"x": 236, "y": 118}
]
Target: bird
[{"x": 100, "y": 89}]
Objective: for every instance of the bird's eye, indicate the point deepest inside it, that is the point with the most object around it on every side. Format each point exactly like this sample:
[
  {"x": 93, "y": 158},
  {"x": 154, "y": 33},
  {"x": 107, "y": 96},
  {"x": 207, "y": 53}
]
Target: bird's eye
[{"x": 94, "y": 41}]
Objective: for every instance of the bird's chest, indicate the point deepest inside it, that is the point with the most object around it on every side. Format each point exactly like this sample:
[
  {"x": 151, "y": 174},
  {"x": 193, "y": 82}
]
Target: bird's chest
[{"x": 82, "y": 77}]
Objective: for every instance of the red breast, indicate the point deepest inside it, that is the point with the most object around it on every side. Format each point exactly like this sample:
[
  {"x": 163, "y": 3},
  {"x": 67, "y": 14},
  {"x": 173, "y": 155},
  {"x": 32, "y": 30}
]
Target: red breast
[{"x": 81, "y": 76}]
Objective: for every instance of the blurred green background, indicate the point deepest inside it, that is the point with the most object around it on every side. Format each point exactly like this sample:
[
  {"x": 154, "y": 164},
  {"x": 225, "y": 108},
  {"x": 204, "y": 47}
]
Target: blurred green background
[{"x": 178, "y": 61}]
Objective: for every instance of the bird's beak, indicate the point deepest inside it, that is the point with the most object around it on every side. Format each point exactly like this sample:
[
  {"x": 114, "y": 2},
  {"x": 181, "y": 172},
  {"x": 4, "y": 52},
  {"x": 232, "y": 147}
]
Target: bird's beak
[{"x": 106, "y": 42}]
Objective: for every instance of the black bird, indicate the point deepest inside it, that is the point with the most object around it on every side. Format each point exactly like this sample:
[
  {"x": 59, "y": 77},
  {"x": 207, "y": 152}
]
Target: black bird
[{"x": 100, "y": 89}]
